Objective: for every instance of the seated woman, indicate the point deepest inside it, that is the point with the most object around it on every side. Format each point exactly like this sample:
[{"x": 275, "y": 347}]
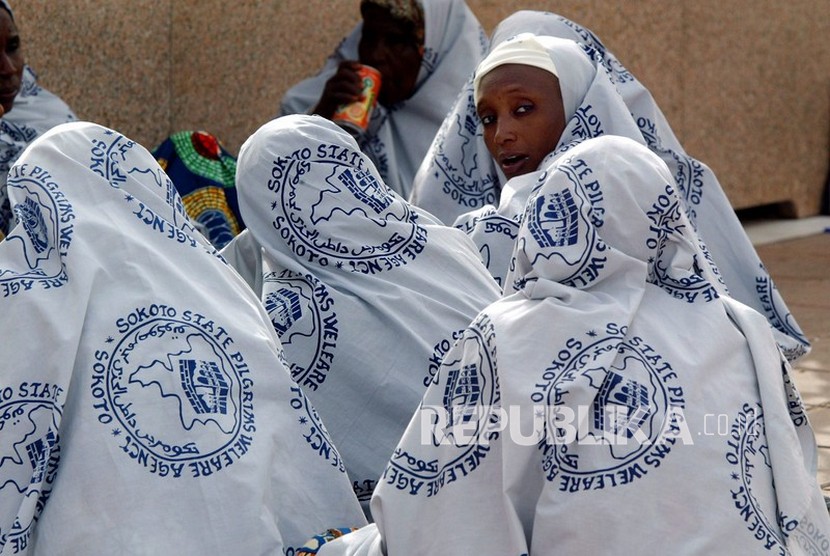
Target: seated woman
[
  {"x": 609, "y": 102},
  {"x": 139, "y": 415},
  {"x": 576, "y": 415},
  {"x": 425, "y": 50},
  {"x": 28, "y": 110},
  {"x": 204, "y": 174},
  {"x": 363, "y": 289}
]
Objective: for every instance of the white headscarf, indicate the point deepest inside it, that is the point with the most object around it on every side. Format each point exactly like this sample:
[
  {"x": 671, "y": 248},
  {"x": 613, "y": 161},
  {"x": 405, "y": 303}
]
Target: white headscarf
[
  {"x": 459, "y": 176},
  {"x": 586, "y": 413},
  {"x": 144, "y": 406},
  {"x": 398, "y": 138},
  {"x": 362, "y": 287}
]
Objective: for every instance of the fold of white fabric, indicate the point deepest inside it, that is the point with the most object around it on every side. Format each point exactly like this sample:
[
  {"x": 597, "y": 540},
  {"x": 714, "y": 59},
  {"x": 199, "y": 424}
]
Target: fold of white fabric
[
  {"x": 363, "y": 289},
  {"x": 615, "y": 403},
  {"x": 145, "y": 407}
]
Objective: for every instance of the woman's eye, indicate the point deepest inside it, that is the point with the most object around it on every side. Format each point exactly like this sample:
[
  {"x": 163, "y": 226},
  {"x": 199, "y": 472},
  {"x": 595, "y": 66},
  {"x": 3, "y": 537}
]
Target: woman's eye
[
  {"x": 524, "y": 108},
  {"x": 13, "y": 45},
  {"x": 487, "y": 120}
]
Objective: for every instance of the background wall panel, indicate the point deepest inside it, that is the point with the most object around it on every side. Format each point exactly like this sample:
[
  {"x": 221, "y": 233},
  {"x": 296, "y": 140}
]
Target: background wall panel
[{"x": 744, "y": 83}]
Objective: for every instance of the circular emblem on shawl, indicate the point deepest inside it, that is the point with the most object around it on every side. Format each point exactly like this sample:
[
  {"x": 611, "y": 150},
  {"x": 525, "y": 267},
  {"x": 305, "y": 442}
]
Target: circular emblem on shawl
[
  {"x": 612, "y": 410},
  {"x": 467, "y": 417},
  {"x": 314, "y": 431},
  {"x": 748, "y": 453},
  {"x": 30, "y": 415},
  {"x": 469, "y": 182},
  {"x": 44, "y": 234},
  {"x": 688, "y": 172},
  {"x": 560, "y": 233},
  {"x": 347, "y": 218},
  {"x": 114, "y": 157},
  {"x": 302, "y": 312},
  {"x": 666, "y": 271},
  {"x": 176, "y": 394}
]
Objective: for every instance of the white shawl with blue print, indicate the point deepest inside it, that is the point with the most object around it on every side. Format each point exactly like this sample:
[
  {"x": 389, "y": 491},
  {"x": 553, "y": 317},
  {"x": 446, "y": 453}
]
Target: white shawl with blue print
[
  {"x": 364, "y": 289},
  {"x": 398, "y": 137},
  {"x": 35, "y": 111},
  {"x": 614, "y": 403},
  {"x": 459, "y": 176},
  {"x": 140, "y": 414}
]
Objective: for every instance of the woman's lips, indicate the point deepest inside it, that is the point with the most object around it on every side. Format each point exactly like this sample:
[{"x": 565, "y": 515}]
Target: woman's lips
[{"x": 511, "y": 165}]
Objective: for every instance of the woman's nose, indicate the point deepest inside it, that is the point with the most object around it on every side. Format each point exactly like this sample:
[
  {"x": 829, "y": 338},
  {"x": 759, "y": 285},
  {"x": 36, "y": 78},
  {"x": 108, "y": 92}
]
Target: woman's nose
[{"x": 505, "y": 131}]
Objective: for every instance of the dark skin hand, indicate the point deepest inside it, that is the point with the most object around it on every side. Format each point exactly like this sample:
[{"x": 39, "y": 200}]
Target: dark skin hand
[
  {"x": 343, "y": 87},
  {"x": 387, "y": 44}
]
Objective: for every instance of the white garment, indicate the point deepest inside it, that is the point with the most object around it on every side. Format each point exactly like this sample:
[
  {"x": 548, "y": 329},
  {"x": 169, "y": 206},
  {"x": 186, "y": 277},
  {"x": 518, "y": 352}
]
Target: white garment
[
  {"x": 398, "y": 138},
  {"x": 362, "y": 288},
  {"x": 612, "y": 404},
  {"x": 35, "y": 110},
  {"x": 145, "y": 407},
  {"x": 458, "y": 174}
]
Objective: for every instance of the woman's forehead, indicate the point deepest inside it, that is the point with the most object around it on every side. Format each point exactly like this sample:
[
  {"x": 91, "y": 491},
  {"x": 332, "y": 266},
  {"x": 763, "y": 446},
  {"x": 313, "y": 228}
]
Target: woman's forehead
[{"x": 518, "y": 78}]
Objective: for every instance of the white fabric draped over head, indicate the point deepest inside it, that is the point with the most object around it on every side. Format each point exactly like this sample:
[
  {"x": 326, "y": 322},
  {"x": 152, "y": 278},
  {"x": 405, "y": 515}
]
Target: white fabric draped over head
[
  {"x": 578, "y": 414},
  {"x": 459, "y": 182},
  {"x": 35, "y": 111},
  {"x": 362, "y": 287},
  {"x": 398, "y": 138},
  {"x": 145, "y": 404}
]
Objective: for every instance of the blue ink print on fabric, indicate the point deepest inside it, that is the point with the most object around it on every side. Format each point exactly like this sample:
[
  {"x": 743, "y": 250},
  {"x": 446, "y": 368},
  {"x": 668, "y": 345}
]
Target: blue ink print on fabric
[
  {"x": 302, "y": 311},
  {"x": 554, "y": 220},
  {"x": 44, "y": 235},
  {"x": 748, "y": 454},
  {"x": 38, "y": 452},
  {"x": 30, "y": 215},
  {"x": 284, "y": 308},
  {"x": 29, "y": 456},
  {"x": 636, "y": 411},
  {"x": 628, "y": 401},
  {"x": 314, "y": 431},
  {"x": 205, "y": 386},
  {"x": 175, "y": 395},
  {"x": 462, "y": 393},
  {"x": 468, "y": 399},
  {"x": 366, "y": 189}
]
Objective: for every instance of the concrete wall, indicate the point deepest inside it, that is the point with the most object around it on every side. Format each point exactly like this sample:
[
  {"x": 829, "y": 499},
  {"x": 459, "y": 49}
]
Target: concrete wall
[{"x": 744, "y": 83}]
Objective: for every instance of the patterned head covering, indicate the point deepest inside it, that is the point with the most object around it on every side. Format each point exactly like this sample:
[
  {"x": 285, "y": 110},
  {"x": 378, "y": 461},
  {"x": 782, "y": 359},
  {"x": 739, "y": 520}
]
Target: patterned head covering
[{"x": 5, "y": 6}]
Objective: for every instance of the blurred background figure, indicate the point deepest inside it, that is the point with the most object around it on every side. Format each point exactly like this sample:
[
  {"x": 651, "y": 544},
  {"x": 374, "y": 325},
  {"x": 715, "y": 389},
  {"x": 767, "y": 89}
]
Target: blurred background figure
[{"x": 424, "y": 50}]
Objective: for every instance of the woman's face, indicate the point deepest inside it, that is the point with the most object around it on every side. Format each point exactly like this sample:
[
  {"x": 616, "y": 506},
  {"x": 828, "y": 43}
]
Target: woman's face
[
  {"x": 391, "y": 46},
  {"x": 521, "y": 110},
  {"x": 11, "y": 61}
]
